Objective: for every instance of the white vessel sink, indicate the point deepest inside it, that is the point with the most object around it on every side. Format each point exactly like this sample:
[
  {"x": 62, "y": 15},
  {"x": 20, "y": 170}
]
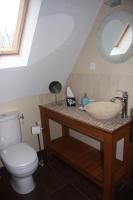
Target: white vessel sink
[{"x": 104, "y": 109}]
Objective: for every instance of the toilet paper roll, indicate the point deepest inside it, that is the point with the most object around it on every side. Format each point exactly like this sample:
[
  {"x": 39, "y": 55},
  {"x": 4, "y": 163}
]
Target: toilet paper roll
[{"x": 35, "y": 130}]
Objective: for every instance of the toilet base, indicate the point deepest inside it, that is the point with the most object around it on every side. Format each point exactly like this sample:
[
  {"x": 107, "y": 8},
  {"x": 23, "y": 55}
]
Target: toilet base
[{"x": 23, "y": 185}]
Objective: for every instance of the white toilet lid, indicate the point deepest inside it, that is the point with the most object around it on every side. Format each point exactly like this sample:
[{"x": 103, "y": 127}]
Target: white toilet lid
[{"x": 19, "y": 155}]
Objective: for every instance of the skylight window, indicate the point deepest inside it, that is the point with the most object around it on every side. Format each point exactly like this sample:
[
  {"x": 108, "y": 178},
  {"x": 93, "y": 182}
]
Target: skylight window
[{"x": 12, "y": 18}]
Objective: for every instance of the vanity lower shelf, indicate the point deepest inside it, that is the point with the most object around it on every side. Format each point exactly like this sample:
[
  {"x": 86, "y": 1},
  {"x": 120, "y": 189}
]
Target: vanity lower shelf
[{"x": 82, "y": 157}]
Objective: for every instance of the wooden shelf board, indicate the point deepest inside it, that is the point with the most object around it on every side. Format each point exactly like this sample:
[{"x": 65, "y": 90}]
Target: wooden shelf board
[{"x": 81, "y": 156}]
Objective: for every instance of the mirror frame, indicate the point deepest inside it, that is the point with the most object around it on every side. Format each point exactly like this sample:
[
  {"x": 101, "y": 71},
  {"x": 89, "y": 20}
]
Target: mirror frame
[{"x": 116, "y": 14}]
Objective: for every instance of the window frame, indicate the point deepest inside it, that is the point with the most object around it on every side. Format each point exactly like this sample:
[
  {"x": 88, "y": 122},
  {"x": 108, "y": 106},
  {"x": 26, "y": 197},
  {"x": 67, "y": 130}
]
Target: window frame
[{"x": 19, "y": 30}]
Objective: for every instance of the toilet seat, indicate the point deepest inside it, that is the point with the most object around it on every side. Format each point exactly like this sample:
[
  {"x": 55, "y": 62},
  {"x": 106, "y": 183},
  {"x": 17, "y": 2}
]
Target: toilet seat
[{"x": 19, "y": 156}]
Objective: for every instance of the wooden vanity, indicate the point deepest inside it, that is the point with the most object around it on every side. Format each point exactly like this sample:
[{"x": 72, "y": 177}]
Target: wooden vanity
[{"x": 103, "y": 168}]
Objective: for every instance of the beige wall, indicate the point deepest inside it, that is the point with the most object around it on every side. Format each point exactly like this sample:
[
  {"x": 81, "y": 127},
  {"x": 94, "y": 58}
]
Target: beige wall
[{"x": 90, "y": 53}]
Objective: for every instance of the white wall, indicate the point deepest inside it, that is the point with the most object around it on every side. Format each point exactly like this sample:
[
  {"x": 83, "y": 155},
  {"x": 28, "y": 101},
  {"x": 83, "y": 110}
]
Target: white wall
[{"x": 61, "y": 31}]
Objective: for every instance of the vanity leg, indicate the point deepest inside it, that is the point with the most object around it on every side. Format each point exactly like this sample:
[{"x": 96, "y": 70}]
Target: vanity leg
[
  {"x": 65, "y": 131},
  {"x": 45, "y": 130},
  {"x": 130, "y": 161},
  {"x": 109, "y": 161},
  {"x": 128, "y": 156}
]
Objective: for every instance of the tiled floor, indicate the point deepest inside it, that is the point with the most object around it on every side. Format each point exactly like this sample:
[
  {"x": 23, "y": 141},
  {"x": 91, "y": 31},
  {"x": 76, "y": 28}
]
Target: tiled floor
[{"x": 58, "y": 181}]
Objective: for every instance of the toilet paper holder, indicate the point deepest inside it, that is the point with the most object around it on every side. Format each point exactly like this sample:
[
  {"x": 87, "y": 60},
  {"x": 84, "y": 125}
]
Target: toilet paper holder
[
  {"x": 21, "y": 116},
  {"x": 36, "y": 130}
]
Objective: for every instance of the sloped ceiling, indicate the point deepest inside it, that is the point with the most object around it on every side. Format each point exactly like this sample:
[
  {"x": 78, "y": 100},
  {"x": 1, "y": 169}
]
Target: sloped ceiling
[{"x": 61, "y": 31}]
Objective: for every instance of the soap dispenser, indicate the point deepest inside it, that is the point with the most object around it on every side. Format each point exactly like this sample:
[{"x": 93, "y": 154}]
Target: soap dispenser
[{"x": 85, "y": 100}]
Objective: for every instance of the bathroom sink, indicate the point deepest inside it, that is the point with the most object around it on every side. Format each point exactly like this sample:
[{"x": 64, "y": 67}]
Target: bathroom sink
[{"x": 104, "y": 109}]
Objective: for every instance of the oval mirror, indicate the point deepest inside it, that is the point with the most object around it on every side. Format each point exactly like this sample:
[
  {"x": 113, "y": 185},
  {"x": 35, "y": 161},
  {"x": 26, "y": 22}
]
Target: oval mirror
[{"x": 114, "y": 37}]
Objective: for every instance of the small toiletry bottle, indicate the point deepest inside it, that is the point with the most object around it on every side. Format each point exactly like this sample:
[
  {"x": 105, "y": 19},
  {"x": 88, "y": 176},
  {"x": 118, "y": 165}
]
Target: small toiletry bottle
[{"x": 85, "y": 100}]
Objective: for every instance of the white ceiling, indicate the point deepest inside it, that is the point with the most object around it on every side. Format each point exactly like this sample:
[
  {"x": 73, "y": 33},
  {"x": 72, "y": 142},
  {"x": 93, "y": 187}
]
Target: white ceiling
[{"x": 61, "y": 31}]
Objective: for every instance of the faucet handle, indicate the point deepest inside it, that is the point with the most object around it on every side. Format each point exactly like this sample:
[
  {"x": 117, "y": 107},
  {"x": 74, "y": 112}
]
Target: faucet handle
[{"x": 123, "y": 92}]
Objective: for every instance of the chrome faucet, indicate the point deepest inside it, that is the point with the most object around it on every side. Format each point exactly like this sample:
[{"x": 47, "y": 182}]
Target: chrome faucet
[
  {"x": 124, "y": 101},
  {"x": 125, "y": 97}
]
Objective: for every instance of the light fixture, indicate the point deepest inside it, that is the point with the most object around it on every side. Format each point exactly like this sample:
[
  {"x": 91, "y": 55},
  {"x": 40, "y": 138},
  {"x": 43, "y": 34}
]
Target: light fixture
[{"x": 112, "y": 3}]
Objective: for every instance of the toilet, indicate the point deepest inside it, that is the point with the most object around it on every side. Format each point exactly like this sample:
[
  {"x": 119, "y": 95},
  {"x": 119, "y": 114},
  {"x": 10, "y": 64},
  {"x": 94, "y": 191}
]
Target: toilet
[{"x": 19, "y": 158}]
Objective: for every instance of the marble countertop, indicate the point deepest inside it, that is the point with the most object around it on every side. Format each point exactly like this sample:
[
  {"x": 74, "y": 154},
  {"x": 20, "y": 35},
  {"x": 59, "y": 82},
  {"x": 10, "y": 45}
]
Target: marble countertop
[{"x": 74, "y": 112}]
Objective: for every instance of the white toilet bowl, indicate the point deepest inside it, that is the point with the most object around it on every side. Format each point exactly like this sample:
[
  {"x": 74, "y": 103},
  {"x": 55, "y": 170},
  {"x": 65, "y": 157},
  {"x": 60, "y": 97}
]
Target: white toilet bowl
[{"x": 21, "y": 161}]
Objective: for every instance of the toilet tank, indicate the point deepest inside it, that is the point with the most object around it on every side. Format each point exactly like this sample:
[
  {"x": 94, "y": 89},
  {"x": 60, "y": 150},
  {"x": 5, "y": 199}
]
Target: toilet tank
[{"x": 10, "y": 130}]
